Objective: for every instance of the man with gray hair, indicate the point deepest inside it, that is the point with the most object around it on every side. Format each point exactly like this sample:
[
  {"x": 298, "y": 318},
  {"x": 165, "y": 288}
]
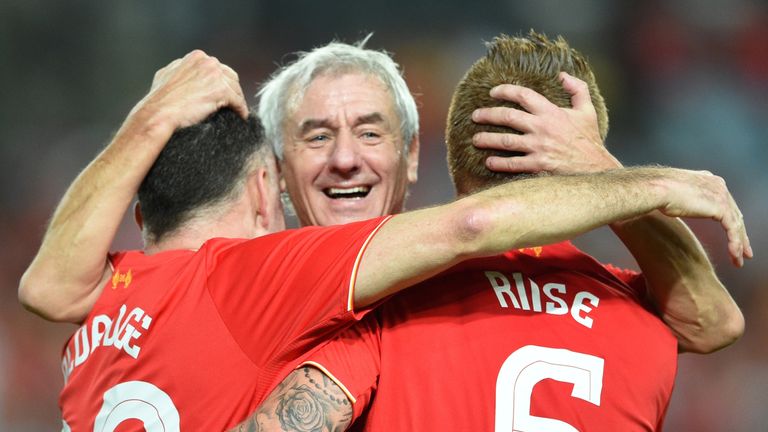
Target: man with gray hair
[{"x": 345, "y": 127}]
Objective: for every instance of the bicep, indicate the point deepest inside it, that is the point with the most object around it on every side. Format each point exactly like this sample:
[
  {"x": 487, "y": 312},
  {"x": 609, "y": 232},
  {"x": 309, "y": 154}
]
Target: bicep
[{"x": 408, "y": 249}]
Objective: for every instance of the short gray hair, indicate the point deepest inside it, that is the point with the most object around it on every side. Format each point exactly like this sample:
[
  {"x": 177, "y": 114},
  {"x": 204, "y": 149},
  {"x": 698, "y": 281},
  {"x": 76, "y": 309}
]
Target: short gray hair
[{"x": 285, "y": 88}]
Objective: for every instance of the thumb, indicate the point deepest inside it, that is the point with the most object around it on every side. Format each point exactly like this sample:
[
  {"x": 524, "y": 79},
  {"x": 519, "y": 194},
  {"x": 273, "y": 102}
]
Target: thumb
[{"x": 578, "y": 90}]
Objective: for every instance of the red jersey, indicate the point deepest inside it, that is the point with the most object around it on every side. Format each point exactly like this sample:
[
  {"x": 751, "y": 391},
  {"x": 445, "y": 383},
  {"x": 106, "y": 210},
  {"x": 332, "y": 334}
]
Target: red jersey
[
  {"x": 541, "y": 339},
  {"x": 194, "y": 340}
]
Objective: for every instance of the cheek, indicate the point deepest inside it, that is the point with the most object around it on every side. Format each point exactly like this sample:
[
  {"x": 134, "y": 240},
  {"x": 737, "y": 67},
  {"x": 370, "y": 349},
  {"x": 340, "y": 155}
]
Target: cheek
[
  {"x": 385, "y": 161},
  {"x": 302, "y": 170}
]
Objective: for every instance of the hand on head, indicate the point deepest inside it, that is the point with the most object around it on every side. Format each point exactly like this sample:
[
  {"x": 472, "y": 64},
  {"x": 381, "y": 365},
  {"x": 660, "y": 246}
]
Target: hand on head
[
  {"x": 189, "y": 89},
  {"x": 554, "y": 139}
]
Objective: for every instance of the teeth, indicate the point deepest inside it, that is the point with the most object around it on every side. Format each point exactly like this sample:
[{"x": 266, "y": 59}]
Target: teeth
[
  {"x": 354, "y": 192},
  {"x": 359, "y": 189}
]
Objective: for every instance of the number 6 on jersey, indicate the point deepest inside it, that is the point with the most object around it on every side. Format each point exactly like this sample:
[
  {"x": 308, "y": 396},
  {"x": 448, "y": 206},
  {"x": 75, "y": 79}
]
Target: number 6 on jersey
[{"x": 531, "y": 364}]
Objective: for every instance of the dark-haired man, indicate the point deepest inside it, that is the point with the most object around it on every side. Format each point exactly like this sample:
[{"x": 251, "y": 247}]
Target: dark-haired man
[
  {"x": 536, "y": 339},
  {"x": 195, "y": 329}
]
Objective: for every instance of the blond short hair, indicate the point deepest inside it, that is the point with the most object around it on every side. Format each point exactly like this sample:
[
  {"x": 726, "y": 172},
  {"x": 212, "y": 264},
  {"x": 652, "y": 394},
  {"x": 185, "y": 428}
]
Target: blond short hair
[{"x": 532, "y": 61}]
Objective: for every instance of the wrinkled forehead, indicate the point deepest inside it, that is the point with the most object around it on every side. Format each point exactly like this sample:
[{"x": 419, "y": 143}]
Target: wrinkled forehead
[{"x": 360, "y": 92}]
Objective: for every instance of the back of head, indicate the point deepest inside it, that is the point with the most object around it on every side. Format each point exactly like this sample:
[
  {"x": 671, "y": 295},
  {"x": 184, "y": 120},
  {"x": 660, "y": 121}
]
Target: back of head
[
  {"x": 533, "y": 61},
  {"x": 285, "y": 89},
  {"x": 201, "y": 166}
]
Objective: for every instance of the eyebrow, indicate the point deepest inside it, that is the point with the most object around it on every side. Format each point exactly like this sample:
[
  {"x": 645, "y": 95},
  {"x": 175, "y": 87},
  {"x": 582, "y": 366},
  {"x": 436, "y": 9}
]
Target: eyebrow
[
  {"x": 309, "y": 124},
  {"x": 371, "y": 118}
]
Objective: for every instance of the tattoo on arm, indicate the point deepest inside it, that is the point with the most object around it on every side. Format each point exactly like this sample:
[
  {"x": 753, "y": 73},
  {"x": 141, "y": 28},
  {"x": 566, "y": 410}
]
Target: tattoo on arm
[{"x": 306, "y": 401}]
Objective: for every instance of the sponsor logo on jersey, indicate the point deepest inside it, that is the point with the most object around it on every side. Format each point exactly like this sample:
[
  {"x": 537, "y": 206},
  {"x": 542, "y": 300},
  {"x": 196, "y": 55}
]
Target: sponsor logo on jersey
[
  {"x": 535, "y": 251},
  {"x": 122, "y": 278}
]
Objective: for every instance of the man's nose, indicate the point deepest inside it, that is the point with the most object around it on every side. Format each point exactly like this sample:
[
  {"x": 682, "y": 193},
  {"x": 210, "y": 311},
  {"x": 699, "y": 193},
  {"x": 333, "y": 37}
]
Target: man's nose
[{"x": 345, "y": 155}]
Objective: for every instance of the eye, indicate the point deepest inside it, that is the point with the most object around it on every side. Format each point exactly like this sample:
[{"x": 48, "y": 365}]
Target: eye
[
  {"x": 370, "y": 137},
  {"x": 318, "y": 140}
]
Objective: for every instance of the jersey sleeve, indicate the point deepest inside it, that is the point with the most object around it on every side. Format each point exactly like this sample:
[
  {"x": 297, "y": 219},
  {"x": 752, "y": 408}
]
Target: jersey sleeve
[
  {"x": 353, "y": 362},
  {"x": 282, "y": 294}
]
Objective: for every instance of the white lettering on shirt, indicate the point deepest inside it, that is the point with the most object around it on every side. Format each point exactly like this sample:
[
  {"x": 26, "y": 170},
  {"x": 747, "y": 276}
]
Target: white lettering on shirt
[
  {"x": 554, "y": 293},
  {"x": 121, "y": 332}
]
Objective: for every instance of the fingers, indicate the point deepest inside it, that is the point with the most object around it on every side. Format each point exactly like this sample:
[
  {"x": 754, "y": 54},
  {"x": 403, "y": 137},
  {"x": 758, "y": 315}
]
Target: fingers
[
  {"x": 502, "y": 141},
  {"x": 238, "y": 102},
  {"x": 191, "y": 88},
  {"x": 232, "y": 94},
  {"x": 213, "y": 82},
  {"x": 739, "y": 246},
  {"x": 735, "y": 244},
  {"x": 229, "y": 72},
  {"x": 579, "y": 91},
  {"x": 530, "y": 100},
  {"x": 732, "y": 220},
  {"x": 504, "y": 116},
  {"x": 513, "y": 164}
]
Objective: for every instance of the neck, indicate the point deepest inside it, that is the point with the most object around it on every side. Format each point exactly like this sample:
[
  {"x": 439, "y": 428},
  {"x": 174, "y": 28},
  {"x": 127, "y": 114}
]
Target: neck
[{"x": 235, "y": 222}]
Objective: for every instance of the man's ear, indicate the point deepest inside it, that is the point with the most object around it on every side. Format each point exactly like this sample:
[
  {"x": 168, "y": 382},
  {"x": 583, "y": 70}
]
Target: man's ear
[
  {"x": 413, "y": 160},
  {"x": 137, "y": 216},
  {"x": 280, "y": 177},
  {"x": 259, "y": 192}
]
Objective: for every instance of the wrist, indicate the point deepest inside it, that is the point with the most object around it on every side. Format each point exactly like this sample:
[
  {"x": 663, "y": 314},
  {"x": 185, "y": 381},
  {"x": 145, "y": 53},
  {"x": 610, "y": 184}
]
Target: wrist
[
  {"x": 141, "y": 137},
  {"x": 151, "y": 124}
]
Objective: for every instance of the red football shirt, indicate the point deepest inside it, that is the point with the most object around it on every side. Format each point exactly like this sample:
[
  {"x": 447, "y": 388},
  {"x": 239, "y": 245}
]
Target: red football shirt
[
  {"x": 194, "y": 340},
  {"x": 542, "y": 339}
]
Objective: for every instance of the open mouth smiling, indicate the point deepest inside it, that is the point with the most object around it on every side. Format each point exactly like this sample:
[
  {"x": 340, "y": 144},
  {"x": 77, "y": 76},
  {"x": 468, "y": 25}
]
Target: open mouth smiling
[{"x": 357, "y": 192}]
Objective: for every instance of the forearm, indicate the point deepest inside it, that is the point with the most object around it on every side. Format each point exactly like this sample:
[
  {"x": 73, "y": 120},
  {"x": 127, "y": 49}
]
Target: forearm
[
  {"x": 417, "y": 245},
  {"x": 306, "y": 400},
  {"x": 551, "y": 209},
  {"x": 66, "y": 275},
  {"x": 682, "y": 282}
]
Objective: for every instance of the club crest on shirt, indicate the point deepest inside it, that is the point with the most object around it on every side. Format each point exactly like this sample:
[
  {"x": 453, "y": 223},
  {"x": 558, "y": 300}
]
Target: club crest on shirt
[
  {"x": 122, "y": 278},
  {"x": 535, "y": 251}
]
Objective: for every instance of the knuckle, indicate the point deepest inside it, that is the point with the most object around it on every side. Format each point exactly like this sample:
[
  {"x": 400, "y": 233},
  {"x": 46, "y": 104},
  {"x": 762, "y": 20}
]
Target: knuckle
[
  {"x": 507, "y": 141},
  {"x": 546, "y": 162},
  {"x": 525, "y": 96},
  {"x": 209, "y": 62},
  {"x": 580, "y": 83},
  {"x": 509, "y": 115},
  {"x": 196, "y": 54}
]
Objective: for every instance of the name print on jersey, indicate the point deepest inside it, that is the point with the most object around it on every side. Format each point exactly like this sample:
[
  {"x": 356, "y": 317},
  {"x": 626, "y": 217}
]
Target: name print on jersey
[
  {"x": 555, "y": 294},
  {"x": 104, "y": 331}
]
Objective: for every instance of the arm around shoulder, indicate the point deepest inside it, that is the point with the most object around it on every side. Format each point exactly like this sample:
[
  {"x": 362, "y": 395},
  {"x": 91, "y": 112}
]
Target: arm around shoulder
[{"x": 414, "y": 246}]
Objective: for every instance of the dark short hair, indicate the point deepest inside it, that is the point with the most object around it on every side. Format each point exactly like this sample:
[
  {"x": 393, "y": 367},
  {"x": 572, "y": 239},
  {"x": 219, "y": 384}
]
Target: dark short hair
[
  {"x": 532, "y": 61},
  {"x": 200, "y": 166}
]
